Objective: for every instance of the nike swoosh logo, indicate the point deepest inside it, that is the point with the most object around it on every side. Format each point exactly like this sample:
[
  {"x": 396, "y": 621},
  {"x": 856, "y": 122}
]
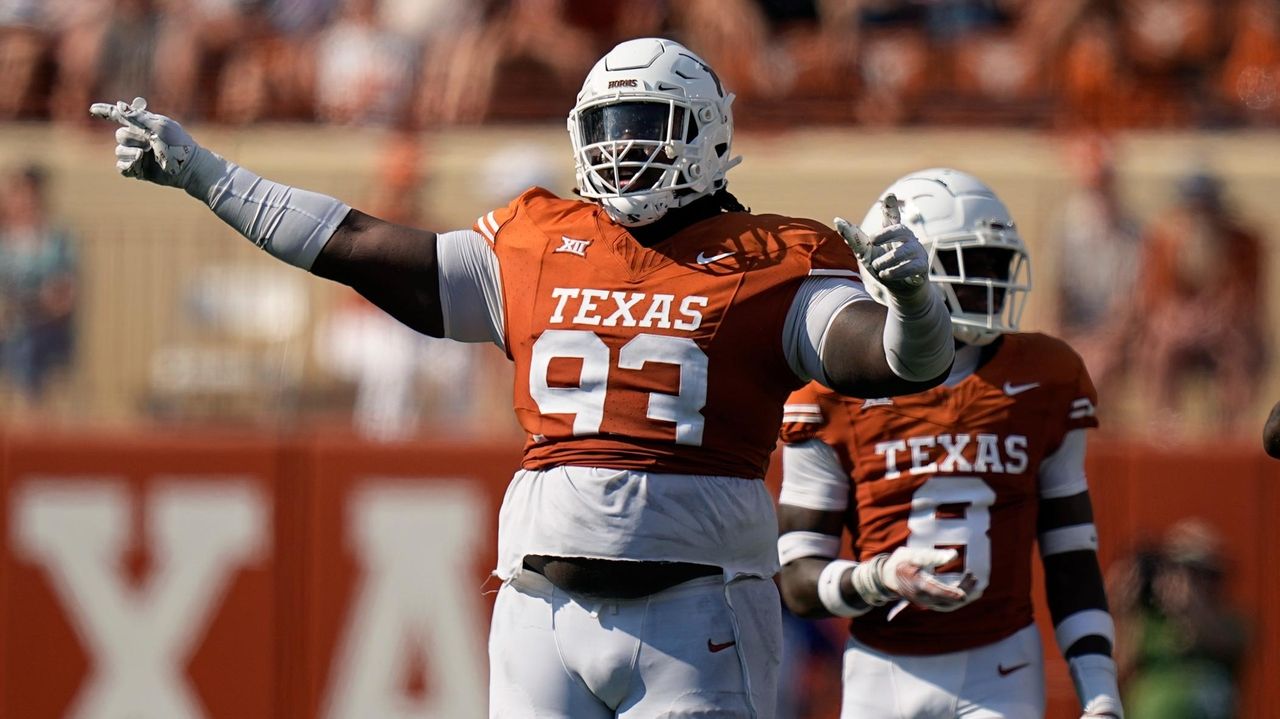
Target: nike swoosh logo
[
  {"x": 713, "y": 647},
  {"x": 1006, "y": 672},
  {"x": 1012, "y": 389},
  {"x": 702, "y": 259}
]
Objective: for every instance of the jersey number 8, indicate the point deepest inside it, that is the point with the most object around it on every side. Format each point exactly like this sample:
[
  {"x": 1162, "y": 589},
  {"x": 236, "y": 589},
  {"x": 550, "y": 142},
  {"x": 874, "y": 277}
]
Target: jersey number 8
[{"x": 955, "y": 512}]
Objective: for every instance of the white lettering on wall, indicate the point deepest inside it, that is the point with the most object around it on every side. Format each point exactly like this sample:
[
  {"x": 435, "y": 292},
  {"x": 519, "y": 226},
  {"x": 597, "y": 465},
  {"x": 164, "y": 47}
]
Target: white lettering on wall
[
  {"x": 414, "y": 544},
  {"x": 139, "y": 638}
]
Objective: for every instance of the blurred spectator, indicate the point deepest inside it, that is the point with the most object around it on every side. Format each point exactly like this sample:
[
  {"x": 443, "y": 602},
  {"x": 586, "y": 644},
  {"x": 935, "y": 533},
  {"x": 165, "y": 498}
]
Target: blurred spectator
[
  {"x": 893, "y": 62},
  {"x": 813, "y": 50},
  {"x": 1250, "y": 78},
  {"x": 230, "y": 60},
  {"x": 25, "y": 45},
  {"x": 528, "y": 53},
  {"x": 1179, "y": 645},
  {"x": 990, "y": 64},
  {"x": 1097, "y": 243},
  {"x": 108, "y": 50},
  {"x": 382, "y": 358},
  {"x": 1093, "y": 80},
  {"x": 401, "y": 378},
  {"x": 37, "y": 287},
  {"x": 733, "y": 36},
  {"x": 1200, "y": 303},
  {"x": 365, "y": 71},
  {"x": 1170, "y": 46},
  {"x": 268, "y": 73}
]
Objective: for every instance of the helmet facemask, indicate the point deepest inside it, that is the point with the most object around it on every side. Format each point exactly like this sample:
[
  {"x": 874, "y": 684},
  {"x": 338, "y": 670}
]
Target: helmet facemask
[
  {"x": 639, "y": 153},
  {"x": 984, "y": 277}
]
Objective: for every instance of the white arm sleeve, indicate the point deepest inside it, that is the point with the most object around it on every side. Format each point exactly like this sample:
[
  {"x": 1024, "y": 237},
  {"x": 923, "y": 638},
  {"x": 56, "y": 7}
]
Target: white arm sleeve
[
  {"x": 812, "y": 477},
  {"x": 816, "y": 304},
  {"x": 917, "y": 335},
  {"x": 291, "y": 224},
  {"x": 470, "y": 288},
  {"x": 1062, "y": 473}
]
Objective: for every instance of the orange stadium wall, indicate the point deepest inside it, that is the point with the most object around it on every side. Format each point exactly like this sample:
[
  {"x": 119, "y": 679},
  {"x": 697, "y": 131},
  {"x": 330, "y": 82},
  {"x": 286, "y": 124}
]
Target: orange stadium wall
[{"x": 234, "y": 576}]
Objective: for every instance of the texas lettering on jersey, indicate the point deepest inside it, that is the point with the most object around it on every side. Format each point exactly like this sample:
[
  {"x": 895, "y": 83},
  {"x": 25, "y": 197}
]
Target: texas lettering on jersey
[
  {"x": 666, "y": 358},
  {"x": 954, "y": 467},
  {"x": 994, "y": 454},
  {"x": 602, "y": 308}
]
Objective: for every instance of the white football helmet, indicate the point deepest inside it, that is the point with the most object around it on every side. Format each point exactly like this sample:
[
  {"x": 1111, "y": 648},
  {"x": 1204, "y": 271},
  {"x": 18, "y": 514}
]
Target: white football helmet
[
  {"x": 976, "y": 256},
  {"x": 652, "y": 130}
]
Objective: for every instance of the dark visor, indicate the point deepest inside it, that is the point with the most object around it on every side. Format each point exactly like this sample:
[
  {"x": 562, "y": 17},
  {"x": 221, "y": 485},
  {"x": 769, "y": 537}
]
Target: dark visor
[{"x": 631, "y": 121}]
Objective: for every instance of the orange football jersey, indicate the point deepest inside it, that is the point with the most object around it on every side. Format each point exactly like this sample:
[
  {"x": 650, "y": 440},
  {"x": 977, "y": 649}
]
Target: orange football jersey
[
  {"x": 953, "y": 467},
  {"x": 668, "y": 358}
]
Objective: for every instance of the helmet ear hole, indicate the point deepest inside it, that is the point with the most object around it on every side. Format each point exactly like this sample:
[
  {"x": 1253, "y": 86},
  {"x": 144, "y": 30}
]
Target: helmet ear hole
[{"x": 722, "y": 149}]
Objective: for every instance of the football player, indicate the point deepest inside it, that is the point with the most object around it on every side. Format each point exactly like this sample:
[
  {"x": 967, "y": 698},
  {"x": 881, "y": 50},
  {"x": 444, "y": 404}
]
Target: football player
[
  {"x": 656, "y": 328},
  {"x": 943, "y": 494}
]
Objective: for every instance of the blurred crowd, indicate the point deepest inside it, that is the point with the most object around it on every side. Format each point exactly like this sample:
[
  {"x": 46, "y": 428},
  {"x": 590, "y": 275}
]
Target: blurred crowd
[
  {"x": 425, "y": 63},
  {"x": 1147, "y": 307},
  {"x": 1181, "y": 643}
]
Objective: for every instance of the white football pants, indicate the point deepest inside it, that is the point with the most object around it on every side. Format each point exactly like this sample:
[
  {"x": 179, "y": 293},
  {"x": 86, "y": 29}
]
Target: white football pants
[
  {"x": 701, "y": 648},
  {"x": 1002, "y": 680}
]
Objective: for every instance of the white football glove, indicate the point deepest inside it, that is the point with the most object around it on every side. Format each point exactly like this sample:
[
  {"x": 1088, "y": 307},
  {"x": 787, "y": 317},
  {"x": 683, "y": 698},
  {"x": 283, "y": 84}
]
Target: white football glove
[
  {"x": 897, "y": 258},
  {"x": 152, "y": 147},
  {"x": 908, "y": 574},
  {"x": 895, "y": 255}
]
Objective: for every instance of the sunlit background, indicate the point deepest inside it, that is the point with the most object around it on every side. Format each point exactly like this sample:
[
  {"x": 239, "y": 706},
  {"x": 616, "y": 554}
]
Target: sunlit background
[{"x": 151, "y": 357}]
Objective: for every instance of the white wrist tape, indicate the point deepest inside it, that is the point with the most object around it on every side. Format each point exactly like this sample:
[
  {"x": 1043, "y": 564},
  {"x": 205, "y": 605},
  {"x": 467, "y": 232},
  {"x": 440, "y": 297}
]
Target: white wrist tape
[
  {"x": 291, "y": 224},
  {"x": 797, "y": 545},
  {"x": 869, "y": 584},
  {"x": 1084, "y": 623},
  {"x": 1094, "y": 676},
  {"x": 917, "y": 335},
  {"x": 829, "y": 589}
]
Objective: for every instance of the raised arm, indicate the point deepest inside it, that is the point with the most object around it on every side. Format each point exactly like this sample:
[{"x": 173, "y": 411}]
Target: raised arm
[{"x": 394, "y": 267}]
